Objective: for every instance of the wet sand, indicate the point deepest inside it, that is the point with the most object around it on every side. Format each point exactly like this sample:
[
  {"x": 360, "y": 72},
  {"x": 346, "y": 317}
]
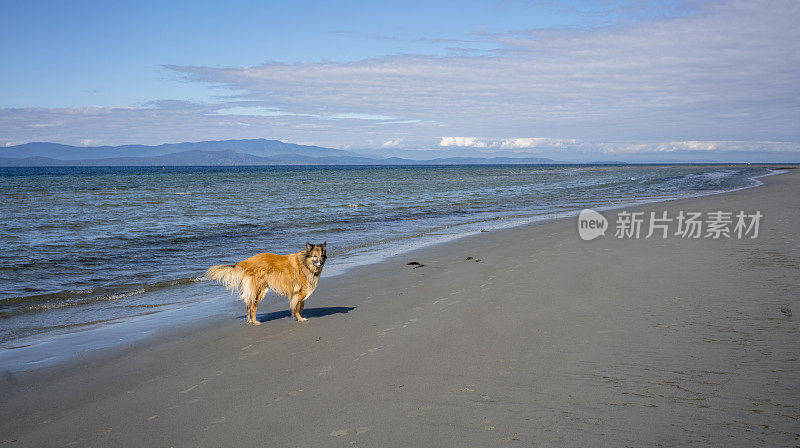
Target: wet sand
[{"x": 546, "y": 341}]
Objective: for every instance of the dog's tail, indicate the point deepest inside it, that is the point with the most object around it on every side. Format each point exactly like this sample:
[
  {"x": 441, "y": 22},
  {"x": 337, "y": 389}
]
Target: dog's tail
[{"x": 233, "y": 279}]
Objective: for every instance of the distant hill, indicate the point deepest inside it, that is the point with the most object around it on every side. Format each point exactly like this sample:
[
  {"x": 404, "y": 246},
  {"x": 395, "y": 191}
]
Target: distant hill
[
  {"x": 192, "y": 158},
  {"x": 256, "y": 147},
  {"x": 215, "y": 153}
]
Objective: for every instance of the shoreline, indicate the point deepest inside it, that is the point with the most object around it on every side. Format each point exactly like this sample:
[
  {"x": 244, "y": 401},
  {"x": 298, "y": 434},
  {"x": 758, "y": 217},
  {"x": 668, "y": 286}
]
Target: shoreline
[
  {"x": 548, "y": 340},
  {"x": 46, "y": 349}
]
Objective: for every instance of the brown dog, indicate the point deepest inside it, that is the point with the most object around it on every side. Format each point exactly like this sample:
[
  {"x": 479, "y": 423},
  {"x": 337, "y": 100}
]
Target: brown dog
[{"x": 294, "y": 276}]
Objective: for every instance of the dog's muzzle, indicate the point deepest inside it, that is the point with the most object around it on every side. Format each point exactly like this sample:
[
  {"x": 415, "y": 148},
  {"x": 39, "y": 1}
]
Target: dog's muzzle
[{"x": 317, "y": 263}]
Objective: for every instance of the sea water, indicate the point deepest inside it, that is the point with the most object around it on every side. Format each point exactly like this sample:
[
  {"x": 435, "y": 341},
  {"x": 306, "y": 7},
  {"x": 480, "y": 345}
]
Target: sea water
[{"x": 83, "y": 247}]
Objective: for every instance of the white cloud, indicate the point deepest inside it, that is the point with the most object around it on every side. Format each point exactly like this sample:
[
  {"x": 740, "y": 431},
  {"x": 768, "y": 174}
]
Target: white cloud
[
  {"x": 257, "y": 111},
  {"x": 357, "y": 116},
  {"x": 696, "y": 146},
  {"x": 534, "y": 144},
  {"x": 508, "y": 143},
  {"x": 728, "y": 71},
  {"x": 45, "y": 125},
  {"x": 232, "y": 124},
  {"x": 522, "y": 143},
  {"x": 462, "y": 141},
  {"x": 401, "y": 122},
  {"x": 395, "y": 143}
]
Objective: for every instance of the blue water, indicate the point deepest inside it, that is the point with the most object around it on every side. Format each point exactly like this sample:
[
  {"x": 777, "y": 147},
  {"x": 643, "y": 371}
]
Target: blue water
[{"x": 85, "y": 246}]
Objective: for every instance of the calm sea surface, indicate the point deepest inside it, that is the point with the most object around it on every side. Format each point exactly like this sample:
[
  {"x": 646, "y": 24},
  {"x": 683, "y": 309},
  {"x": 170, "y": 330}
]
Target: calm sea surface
[{"x": 87, "y": 246}]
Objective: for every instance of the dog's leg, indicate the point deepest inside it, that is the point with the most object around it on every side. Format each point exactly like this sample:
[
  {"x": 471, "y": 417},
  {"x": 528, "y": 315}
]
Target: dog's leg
[
  {"x": 253, "y": 314},
  {"x": 300, "y": 301},
  {"x": 258, "y": 298},
  {"x": 296, "y": 308},
  {"x": 293, "y": 306},
  {"x": 248, "y": 312}
]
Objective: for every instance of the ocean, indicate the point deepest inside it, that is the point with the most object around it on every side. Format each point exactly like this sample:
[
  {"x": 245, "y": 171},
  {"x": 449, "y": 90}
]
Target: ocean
[{"x": 87, "y": 247}]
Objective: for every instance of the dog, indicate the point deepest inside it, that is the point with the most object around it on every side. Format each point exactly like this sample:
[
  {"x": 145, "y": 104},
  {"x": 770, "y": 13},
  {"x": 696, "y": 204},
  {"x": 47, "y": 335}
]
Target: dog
[{"x": 294, "y": 276}]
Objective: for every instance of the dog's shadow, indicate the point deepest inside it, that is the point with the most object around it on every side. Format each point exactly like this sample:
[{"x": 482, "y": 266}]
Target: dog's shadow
[{"x": 308, "y": 312}]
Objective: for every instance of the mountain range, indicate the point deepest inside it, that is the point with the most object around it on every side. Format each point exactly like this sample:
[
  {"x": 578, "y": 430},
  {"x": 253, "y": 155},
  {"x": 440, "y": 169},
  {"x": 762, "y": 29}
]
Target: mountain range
[{"x": 216, "y": 153}]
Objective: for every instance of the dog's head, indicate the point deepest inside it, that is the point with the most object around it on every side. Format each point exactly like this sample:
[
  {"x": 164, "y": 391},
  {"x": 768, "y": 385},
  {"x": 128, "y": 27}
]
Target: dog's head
[{"x": 315, "y": 253}]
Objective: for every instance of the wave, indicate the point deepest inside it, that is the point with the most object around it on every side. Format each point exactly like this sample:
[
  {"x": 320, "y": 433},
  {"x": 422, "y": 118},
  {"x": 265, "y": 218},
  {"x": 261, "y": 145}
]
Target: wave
[{"x": 14, "y": 306}]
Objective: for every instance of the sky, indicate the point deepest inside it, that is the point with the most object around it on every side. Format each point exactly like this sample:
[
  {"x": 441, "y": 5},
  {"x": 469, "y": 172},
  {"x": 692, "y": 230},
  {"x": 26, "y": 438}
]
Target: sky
[{"x": 571, "y": 80}]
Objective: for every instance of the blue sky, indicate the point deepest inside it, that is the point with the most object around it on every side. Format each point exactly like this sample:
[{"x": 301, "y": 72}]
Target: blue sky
[
  {"x": 79, "y": 53},
  {"x": 576, "y": 79}
]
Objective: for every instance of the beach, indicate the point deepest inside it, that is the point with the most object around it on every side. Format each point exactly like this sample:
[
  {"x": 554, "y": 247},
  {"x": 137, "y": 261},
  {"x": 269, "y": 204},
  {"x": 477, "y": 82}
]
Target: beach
[{"x": 540, "y": 339}]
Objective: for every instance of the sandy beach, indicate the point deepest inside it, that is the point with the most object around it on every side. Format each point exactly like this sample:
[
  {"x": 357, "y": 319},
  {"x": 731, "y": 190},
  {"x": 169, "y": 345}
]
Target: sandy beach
[{"x": 541, "y": 339}]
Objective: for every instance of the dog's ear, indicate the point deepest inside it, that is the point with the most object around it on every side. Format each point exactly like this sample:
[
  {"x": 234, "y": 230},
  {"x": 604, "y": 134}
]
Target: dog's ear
[
  {"x": 309, "y": 246},
  {"x": 323, "y": 245}
]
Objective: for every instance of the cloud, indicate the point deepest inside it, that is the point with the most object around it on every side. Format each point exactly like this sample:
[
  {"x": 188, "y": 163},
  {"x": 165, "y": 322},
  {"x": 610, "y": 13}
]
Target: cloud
[
  {"x": 256, "y": 111},
  {"x": 395, "y": 143},
  {"x": 358, "y": 116},
  {"x": 727, "y": 71},
  {"x": 519, "y": 143},
  {"x": 554, "y": 145},
  {"x": 695, "y": 146},
  {"x": 259, "y": 111},
  {"x": 89, "y": 142},
  {"x": 45, "y": 125},
  {"x": 462, "y": 141},
  {"x": 508, "y": 143}
]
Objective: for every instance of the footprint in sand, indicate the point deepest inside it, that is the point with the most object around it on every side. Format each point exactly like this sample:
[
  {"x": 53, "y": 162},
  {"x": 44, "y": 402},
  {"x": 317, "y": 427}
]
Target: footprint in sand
[
  {"x": 382, "y": 333},
  {"x": 410, "y": 321},
  {"x": 370, "y": 351},
  {"x": 338, "y": 432},
  {"x": 202, "y": 380},
  {"x": 214, "y": 423},
  {"x": 361, "y": 430},
  {"x": 324, "y": 370}
]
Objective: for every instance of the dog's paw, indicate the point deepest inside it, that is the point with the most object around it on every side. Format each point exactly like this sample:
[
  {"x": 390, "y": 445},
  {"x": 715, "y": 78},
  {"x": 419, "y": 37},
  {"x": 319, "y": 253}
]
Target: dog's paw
[
  {"x": 302, "y": 319},
  {"x": 255, "y": 322}
]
